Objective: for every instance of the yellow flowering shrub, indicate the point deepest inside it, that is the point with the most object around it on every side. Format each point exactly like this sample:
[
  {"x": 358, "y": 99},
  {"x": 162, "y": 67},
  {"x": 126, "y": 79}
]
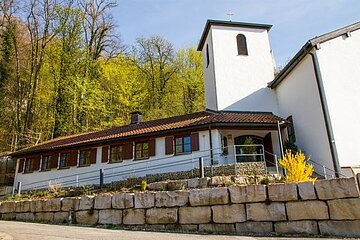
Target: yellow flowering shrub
[{"x": 297, "y": 167}]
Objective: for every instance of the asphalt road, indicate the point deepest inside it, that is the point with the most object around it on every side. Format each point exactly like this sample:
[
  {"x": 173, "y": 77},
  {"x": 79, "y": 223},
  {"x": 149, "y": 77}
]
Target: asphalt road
[{"x": 34, "y": 231}]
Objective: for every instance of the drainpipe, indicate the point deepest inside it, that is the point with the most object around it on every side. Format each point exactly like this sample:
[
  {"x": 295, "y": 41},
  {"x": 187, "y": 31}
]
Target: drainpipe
[{"x": 325, "y": 110}]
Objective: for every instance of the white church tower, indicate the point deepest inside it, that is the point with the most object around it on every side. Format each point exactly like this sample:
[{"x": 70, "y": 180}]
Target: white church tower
[{"x": 238, "y": 64}]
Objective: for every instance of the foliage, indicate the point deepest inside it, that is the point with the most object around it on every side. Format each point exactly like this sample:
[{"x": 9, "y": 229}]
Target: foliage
[
  {"x": 297, "y": 167},
  {"x": 63, "y": 70},
  {"x": 265, "y": 181},
  {"x": 143, "y": 185},
  {"x": 249, "y": 149}
]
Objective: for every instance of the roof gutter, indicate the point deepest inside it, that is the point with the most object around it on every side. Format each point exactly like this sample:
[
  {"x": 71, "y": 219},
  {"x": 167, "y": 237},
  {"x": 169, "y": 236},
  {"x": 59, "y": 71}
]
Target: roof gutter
[{"x": 325, "y": 110}]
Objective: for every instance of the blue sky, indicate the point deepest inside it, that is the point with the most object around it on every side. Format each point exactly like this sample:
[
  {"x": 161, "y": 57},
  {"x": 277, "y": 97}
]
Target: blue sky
[{"x": 182, "y": 21}]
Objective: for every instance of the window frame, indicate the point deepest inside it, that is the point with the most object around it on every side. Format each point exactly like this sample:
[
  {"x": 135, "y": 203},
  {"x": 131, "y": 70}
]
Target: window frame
[
  {"x": 291, "y": 129},
  {"x": 183, "y": 144},
  {"x": 241, "y": 44},
  {"x": 118, "y": 153},
  {"x": 28, "y": 165},
  {"x": 46, "y": 160},
  {"x": 142, "y": 150},
  {"x": 65, "y": 159},
  {"x": 81, "y": 162}
]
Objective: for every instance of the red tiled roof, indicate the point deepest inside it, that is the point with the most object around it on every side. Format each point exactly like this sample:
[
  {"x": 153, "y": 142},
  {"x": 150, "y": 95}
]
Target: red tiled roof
[{"x": 157, "y": 126}]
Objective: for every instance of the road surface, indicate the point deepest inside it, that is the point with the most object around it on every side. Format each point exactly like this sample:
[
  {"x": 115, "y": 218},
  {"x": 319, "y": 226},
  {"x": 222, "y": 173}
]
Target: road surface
[{"x": 34, "y": 231}]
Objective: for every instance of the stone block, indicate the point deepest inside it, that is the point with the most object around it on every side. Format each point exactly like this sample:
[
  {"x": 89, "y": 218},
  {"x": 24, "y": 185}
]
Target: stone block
[
  {"x": 229, "y": 213},
  {"x": 134, "y": 216},
  {"x": 171, "y": 199},
  {"x": 86, "y": 202},
  {"x": 249, "y": 193},
  {"x": 47, "y": 217},
  {"x": 199, "y": 197},
  {"x": 240, "y": 180},
  {"x": 282, "y": 192},
  {"x": 177, "y": 185},
  {"x": 336, "y": 188},
  {"x": 89, "y": 217},
  {"x": 61, "y": 217},
  {"x": 8, "y": 216},
  {"x": 52, "y": 205},
  {"x": 254, "y": 227},
  {"x": 217, "y": 228},
  {"x": 27, "y": 217},
  {"x": 220, "y": 180},
  {"x": 161, "y": 215},
  {"x": 157, "y": 186},
  {"x": 340, "y": 228},
  {"x": 306, "y": 190},
  {"x": 110, "y": 216},
  {"x": 7, "y": 207},
  {"x": 198, "y": 182},
  {"x": 307, "y": 210},
  {"x": 219, "y": 196},
  {"x": 194, "y": 215},
  {"x": 37, "y": 205},
  {"x": 344, "y": 209},
  {"x": 102, "y": 201},
  {"x": 144, "y": 200},
  {"x": 23, "y": 206},
  {"x": 122, "y": 200},
  {"x": 298, "y": 227},
  {"x": 70, "y": 203},
  {"x": 265, "y": 212},
  {"x": 182, "y": 227}
]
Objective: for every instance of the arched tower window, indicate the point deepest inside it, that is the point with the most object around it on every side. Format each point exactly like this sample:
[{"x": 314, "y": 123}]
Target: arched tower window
[{"x": 241, "y": 44}]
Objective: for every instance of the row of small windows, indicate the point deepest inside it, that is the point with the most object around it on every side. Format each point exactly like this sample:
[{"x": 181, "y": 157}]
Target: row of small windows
[
  {"x": 110, "y": 154},
  {"x": 241, "y": 47}
]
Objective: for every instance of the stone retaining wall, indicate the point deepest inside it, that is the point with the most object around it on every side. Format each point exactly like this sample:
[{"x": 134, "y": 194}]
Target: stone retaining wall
[
  {"x": 330, "y": 207},
  {"x": 242, "y": 169}
]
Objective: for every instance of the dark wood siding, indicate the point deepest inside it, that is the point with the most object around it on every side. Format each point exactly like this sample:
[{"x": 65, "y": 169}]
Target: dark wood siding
[
  {"x": 128, "y": 151},
  {"x": 194, "y": 141},
  {"x": 105, "y": 154},
  {"x": 152, "y": 147},
  {"x": 93, "y": 155},
  {"x": 21, "y": 165},
  {"x": 169, "y": 145}
]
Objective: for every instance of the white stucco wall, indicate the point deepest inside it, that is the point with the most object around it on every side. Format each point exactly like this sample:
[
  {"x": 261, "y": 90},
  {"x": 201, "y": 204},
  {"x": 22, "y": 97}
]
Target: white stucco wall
[
  {"x": 127, "y": 168},
  {"x": 240, "y": 81},
  {"x": 298, "y": 96},
  {"x": 339, "y": 61}
]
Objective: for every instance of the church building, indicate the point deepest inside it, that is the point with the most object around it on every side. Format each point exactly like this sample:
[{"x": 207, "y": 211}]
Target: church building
[{"x": 250, "y": 113}]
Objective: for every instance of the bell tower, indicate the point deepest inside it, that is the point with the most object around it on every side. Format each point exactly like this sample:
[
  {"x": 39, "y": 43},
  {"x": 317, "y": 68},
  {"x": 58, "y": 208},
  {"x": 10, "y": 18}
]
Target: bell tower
[{"x": 238, "y": 64}]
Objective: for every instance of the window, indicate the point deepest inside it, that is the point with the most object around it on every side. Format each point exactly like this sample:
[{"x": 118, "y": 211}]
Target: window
[
  {"x": 116, "y": 154},
  {"x": 28, "y": 165},
  {"x": 142, "y": 150},
  {"x": 46, "y": 163},
  {"x": 291, "y": 130},
  {"x": 241, "y": 44},
  {"x": 64, "y": 160},
  {"x": 207, "y": 55},
  {"x": 182, "y": 145},
  {"x": 84, "y": 158}
]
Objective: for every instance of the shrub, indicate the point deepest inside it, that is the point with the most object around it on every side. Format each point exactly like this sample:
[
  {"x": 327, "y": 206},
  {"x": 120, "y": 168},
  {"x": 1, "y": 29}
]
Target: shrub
[
  {"x": 143, "y": 185},
  {"x": 265, "y": 181},
  {"x": 297, "y": 167}
]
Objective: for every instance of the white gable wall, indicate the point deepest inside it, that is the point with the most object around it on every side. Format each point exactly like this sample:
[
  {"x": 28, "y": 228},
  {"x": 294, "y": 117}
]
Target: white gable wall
[
  {"x": 339, "y": 62},
  {"x": 241, "y": 80},
  {"x": 298, "y": 96}
]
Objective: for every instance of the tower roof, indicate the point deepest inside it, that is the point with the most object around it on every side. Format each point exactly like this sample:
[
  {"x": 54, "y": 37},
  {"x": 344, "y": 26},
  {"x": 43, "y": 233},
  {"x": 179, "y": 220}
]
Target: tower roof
[{"x": 211, "y": 22}]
